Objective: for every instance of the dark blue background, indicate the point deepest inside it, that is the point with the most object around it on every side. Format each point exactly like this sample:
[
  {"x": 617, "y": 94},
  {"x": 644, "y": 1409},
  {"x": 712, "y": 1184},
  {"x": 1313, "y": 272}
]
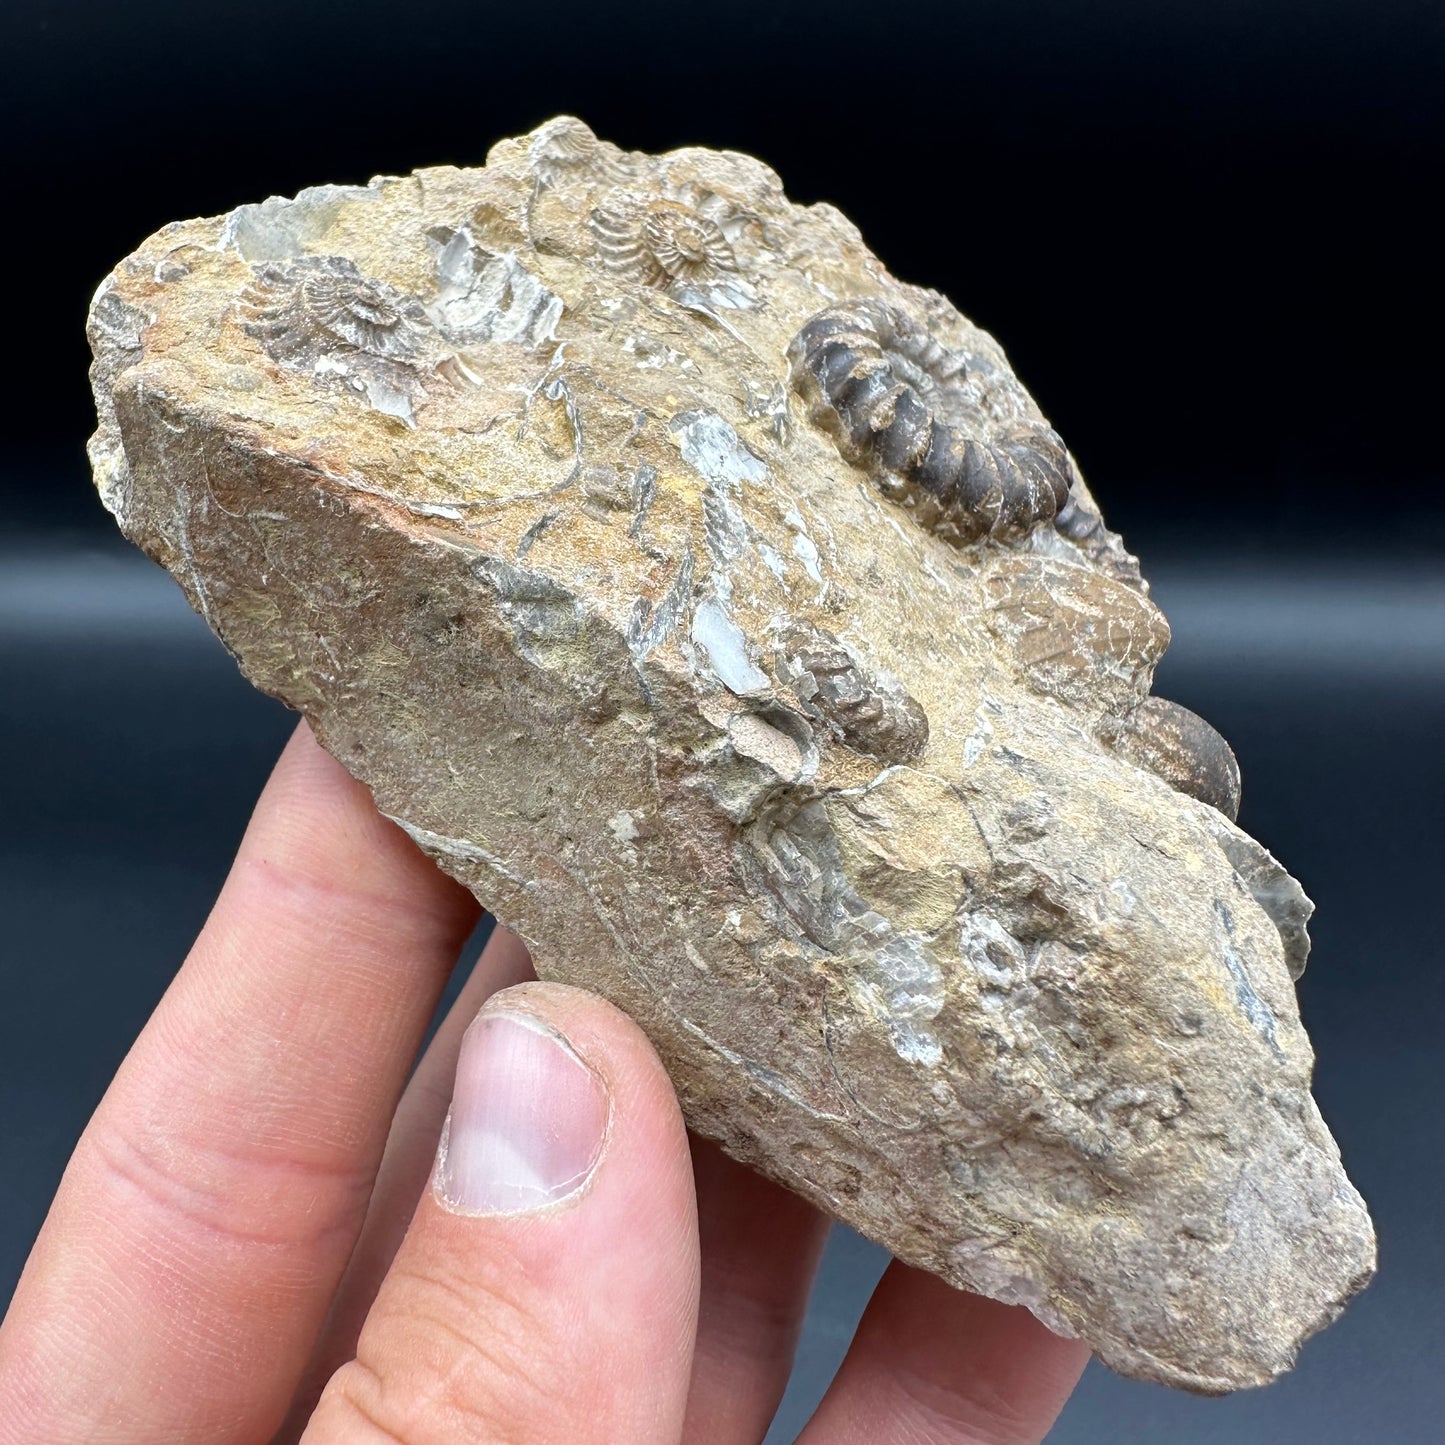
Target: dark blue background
[{"x": 1201, "y": 232}]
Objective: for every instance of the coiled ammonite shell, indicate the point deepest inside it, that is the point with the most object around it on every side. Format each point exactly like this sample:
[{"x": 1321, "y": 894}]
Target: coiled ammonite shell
[
  {"x": 870, "y": 713},
  {"x": 560, "y": 147},
  {"x": 566, "y": 149},
  {"x": 1180, "y": 747},
  {"x": 658, "y": 241},
  {"x": 324, "y": 304},
  {"x": 889, "y": 388}
]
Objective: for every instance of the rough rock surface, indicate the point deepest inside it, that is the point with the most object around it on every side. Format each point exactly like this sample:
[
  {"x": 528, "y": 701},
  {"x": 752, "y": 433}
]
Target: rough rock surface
[{"x": 723, "y": 612}]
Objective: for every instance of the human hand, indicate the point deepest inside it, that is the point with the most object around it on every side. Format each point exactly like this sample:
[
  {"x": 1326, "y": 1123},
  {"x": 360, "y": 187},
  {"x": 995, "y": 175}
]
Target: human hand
[{"x": 244, "y": 1245}]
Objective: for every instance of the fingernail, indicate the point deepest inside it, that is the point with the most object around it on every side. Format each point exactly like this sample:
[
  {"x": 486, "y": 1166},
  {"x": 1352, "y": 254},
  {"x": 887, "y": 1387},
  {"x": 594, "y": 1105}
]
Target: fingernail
[{"x": 527, "y": 1122}]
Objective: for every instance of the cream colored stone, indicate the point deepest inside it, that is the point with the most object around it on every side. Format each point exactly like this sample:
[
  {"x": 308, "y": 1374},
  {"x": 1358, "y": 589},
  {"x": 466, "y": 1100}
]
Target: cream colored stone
[{"x": 516, "y": 481}]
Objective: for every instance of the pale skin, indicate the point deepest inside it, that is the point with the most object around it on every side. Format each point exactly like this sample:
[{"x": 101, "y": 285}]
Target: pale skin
[{"x": 251, "y": 1242}]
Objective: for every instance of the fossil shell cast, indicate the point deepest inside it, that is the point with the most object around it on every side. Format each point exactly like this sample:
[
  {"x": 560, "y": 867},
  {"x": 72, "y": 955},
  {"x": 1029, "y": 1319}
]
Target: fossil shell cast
[
  {"x": 320, "y": 315},
  {"x": 1181, "y": 748},
  {"x": 869, "y": 712},
  {"x": 657, "y": 242},
  {"x": 948, "y": 431},
  {"x": 327, "y": 305},
  {"x": 725, "y": 614}
]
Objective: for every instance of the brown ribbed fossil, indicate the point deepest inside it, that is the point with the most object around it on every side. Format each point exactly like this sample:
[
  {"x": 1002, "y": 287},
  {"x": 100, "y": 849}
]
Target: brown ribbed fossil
[{"x": 948, "y": 433}]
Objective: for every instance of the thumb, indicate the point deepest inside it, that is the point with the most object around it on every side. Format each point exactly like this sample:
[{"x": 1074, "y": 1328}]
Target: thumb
[{"x": 547, "y": 1287}]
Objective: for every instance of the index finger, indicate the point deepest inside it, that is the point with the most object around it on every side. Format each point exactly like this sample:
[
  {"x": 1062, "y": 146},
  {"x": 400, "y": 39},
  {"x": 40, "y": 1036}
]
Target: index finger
[{"x": 205, "y": 1218}]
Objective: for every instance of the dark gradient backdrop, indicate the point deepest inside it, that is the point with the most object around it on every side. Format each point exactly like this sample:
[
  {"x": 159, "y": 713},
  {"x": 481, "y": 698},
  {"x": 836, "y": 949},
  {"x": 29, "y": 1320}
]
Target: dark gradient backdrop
[{"x": 1204, "y": 234}]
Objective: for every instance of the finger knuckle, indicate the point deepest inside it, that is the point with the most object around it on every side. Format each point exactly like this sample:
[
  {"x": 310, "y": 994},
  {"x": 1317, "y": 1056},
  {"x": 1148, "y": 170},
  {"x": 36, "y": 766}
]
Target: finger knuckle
[
  {"x": 443, "y": 1360},
  {"x": 183, "y": 1187},
  {"x": 351, "y": 1408},
  {"x": 981, "y": 1414},
  {"x": 306, "y": 885}
]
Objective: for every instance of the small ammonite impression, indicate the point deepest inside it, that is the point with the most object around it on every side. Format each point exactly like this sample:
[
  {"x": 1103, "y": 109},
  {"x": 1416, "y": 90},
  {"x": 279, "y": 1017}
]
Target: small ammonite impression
[
  {"x": 323, "y": 304},
  {"x": 656, "y": 242},
  {"x": 566, "y": 148},
  {"x": 869, "y": 711},
  {"x": 919, "y": 416},
  {"x": 560, "y": 147}
]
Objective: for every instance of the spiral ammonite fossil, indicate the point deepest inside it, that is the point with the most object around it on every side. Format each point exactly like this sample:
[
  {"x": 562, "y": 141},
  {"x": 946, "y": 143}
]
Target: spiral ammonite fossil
[
  {"x": 325, "y": 304},
  {"x": 1180, "y": 747},
  {"x": 561, "y": 147},
  {"x": 656, "y": 242},
  {"x": 904, "y": 406},
  {"x": 566, "y": 149},
  {"x": 871, "y": 713}
]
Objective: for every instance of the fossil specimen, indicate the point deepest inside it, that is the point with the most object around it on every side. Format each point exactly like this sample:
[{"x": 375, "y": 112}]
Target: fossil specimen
[
  {"x": 950, "y": 432},
  {"x": 867, "y": 711},
  {"x": 725, "y": 613},
  {"x": 322, "y": 316},
  {"x": 318, "y": 306},
  {"x": 1181, "y": 748},
  {"x": 656, "y": 242}
]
